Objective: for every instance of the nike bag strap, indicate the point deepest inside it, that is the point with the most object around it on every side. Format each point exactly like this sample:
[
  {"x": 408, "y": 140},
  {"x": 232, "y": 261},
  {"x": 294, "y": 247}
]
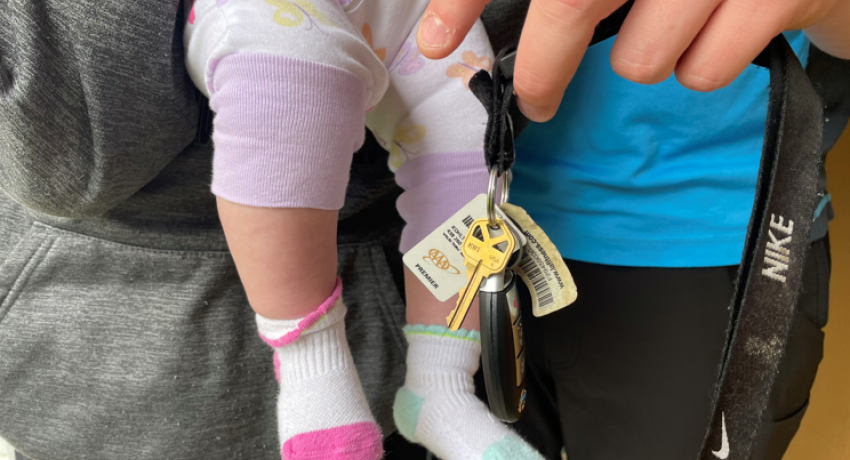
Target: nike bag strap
[{"x": 770, "y": 274}]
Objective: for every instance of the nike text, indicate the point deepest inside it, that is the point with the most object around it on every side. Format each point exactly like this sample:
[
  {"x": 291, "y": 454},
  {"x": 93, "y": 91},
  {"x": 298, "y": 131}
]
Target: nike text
[{"x": 777, "y": 257}]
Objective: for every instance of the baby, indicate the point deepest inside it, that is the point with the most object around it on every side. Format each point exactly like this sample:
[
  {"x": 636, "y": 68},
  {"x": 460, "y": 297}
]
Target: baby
[{"x": 292, "y": 83}]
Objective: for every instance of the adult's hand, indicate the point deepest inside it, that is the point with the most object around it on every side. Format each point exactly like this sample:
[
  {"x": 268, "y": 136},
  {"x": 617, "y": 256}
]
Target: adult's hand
[{"x": 707, "y": 43}]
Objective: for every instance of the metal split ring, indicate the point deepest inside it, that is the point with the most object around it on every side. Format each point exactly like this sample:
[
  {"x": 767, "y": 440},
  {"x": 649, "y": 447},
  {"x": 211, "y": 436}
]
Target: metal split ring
[{"x": 491, "y": 194}]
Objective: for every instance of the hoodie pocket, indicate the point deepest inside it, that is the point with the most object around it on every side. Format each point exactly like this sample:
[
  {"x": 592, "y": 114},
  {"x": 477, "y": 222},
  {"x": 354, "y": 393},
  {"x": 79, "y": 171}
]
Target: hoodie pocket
[{"x": 21, "y": 263}]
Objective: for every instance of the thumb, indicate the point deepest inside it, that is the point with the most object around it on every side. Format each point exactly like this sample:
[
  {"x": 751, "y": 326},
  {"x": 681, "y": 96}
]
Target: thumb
[{"x": 445, "y": 24}]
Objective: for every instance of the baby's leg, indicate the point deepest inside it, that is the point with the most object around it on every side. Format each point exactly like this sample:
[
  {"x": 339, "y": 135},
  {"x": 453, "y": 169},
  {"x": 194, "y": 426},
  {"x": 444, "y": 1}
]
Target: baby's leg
[
  {"x": 437, "y": 406},
  {"x": 287, "y": 261}
]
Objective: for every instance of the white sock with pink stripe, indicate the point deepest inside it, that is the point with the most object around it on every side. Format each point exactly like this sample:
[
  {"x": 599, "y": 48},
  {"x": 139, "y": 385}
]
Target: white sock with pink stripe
[{"x": 322, "y": 411}]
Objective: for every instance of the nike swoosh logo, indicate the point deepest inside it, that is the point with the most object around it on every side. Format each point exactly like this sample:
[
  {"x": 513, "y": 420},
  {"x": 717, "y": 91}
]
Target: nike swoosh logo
[{"x": 723, "y": 453}]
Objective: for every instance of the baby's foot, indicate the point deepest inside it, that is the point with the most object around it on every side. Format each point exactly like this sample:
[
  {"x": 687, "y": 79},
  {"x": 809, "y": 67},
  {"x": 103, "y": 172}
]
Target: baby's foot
[
  {"x": 437, "y": 406},
  {"x": 322, "y": 411}
]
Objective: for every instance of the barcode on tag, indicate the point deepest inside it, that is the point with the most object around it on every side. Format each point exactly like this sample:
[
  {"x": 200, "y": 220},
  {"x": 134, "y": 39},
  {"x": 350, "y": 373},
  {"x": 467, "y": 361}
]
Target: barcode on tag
[
  {"x": 540, "y": 288},
  {"x": 468, "y": 220},
  {"x": 542, "y": 269}
]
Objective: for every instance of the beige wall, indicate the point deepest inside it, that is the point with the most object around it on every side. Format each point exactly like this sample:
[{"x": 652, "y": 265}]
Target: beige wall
[{"x": 825, "y": 432}]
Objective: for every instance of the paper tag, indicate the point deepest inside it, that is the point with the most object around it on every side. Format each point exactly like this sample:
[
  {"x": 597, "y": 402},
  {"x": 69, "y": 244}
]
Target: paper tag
[
  {"x": 437, "y": 260},
  {"x": 541, "y": 267}
]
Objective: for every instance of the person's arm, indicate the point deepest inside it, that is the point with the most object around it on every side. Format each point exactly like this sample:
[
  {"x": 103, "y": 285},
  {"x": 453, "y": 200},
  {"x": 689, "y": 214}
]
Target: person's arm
[
  {"x": 286, "y": 257},
  {"x": 707, "y": 43},
  {"x": 289, "y": 88}
]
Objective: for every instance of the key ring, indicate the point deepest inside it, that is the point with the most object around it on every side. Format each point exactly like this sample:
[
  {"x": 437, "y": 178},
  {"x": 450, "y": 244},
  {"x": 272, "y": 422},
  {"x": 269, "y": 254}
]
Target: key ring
[{"x": 491, "y": 194}]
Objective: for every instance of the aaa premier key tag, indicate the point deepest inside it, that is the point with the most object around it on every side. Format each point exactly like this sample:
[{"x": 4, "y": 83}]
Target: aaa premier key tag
[{"x": 438, "y": 261}]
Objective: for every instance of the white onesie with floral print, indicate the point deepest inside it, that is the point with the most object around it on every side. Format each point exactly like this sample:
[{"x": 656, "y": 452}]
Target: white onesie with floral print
[{"x": 293, "y": 82}]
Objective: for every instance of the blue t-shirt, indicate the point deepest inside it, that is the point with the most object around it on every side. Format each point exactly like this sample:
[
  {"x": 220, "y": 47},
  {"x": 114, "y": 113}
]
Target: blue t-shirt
[{"x": 654, "y": 176}]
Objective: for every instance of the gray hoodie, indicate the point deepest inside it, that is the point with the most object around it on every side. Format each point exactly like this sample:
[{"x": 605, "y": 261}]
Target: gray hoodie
[{"x": 124, "y": 330}]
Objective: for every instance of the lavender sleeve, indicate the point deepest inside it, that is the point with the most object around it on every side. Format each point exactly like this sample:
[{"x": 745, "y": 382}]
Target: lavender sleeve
[
  {"x": 435, "y": 187},
  {"x": 285, "y": 130},
  {"x": 434, "y": 128}
]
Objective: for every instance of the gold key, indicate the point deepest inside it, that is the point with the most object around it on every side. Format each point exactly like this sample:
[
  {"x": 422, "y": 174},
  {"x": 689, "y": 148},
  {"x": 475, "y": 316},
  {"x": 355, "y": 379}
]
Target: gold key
[{"x": 483, "y": 257}]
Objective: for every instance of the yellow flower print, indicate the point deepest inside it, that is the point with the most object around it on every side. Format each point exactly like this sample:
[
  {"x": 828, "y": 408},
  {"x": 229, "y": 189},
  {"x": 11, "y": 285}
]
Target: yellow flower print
[
  {"x": 405, "y": 135},
  {"x": 293, "y": 13}
]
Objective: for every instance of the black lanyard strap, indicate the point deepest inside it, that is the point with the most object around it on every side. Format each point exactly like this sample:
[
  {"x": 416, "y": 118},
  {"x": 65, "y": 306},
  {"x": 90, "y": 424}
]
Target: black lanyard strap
[
  {"x": 504, "y": 120},
  {"x": 770, "y": 274},
  {"x": 495, "y": 91}
]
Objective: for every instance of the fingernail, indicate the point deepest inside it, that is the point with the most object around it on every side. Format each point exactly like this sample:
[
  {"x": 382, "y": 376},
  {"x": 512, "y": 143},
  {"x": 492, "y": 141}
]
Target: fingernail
[
  {"x": 533, "y": 113},
  {"x": 433, "y": 32}
]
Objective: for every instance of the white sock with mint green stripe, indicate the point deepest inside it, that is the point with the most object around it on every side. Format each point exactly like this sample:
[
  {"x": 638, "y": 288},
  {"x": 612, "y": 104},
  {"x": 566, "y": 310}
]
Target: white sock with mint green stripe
[{"x": 437, "y": 406}]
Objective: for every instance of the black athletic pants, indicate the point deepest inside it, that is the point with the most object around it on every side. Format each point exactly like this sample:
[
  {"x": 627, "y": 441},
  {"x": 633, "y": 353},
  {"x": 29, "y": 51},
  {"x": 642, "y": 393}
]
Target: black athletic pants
[{"x": 627, "y": 372}]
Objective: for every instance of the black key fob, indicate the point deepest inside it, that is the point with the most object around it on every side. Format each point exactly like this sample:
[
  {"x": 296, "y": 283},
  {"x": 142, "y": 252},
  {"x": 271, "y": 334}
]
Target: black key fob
[{"x": 502, "y": 345}]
